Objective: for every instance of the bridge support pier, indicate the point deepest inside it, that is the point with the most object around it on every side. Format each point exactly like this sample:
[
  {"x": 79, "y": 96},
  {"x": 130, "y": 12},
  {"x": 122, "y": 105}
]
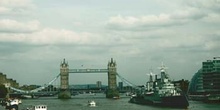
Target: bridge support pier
[
  {"x": 112, "y": 91},
  {"x": 64, "y": 94}
]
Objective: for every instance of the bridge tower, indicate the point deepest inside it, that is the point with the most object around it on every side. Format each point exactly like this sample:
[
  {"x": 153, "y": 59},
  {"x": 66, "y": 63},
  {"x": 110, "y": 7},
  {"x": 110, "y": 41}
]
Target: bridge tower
[
  {"x": 112, "y": 82},
  {"x": 64, "y": 81}
]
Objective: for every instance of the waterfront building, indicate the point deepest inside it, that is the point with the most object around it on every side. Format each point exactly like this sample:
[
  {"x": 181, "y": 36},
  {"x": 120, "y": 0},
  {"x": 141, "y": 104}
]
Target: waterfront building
[{"x": 207, "y": 80}]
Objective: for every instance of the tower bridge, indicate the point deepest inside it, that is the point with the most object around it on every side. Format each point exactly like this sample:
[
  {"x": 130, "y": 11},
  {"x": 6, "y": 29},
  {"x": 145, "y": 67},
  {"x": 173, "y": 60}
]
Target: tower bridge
[
  {"x": 64, "y": 92},
  {"x": 64, "y": 78}
]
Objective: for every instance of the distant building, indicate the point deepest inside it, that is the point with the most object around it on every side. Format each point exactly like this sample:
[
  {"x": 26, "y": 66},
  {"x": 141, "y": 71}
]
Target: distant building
[
  {"x": 207, "y": 79},
  {"x": 120, "y": 85},
  {"x": 99, "y": 84},
  {"x": 182, "y": 84}
]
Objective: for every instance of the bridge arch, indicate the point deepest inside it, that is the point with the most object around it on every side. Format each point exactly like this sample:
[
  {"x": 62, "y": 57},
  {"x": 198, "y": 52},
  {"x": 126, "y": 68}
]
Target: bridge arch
[{"x": 112, "y": 80}]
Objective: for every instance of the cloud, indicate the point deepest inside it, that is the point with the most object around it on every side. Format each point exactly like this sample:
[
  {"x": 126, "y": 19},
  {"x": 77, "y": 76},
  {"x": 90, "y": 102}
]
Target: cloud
[
  {"x": 190, "y": 12},
  {"x": 136, "y": 23},
  {"x": 3, "y": 10},
  {"x": 11, "y": 7},
  {"x": 213, "y": 5},
  {"x": 154, "y": 21},
  {"x": 212, "y": 42},
  {"x": 45, "y": 36},
  {"x": 210, "y": 7},
  {"x": 51, "y": 36},
  {"x": 13, "y": 26},
  {"x": 212, "y": 18},
  {"x": 67, "y": 37},
  {"x": 16, "y": 3},
  {"x": 132, "y": 22}
]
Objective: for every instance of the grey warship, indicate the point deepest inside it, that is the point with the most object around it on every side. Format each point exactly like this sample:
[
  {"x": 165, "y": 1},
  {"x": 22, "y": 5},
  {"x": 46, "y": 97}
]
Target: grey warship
[{"x": 160, "y": 92}]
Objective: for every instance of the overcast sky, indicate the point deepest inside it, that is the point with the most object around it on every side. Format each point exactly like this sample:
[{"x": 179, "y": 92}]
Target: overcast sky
[{"x": 35, "y": 36}]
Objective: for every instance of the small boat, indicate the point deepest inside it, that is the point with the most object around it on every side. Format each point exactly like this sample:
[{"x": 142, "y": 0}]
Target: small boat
[
  {"x": 11, "y": 103},
  {"x": 116, "y": 97},
  {"x": 92, "y": 103},
  {"x": 37, "y": 107}
]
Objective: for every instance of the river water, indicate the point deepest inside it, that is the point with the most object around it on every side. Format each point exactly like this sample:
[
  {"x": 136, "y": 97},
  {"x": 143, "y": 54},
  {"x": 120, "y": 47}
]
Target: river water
[{"x": 80, "y": 102}]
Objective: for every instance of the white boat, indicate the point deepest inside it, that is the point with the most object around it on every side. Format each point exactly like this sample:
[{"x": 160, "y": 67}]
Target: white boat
[
  {"x": 38, "y": 107},
  {"x": 15, "y": 102},
  {"x": 116, "y": 97},
  {"x": 92, "y": 103},
  {"x": 12, "y": 104}
]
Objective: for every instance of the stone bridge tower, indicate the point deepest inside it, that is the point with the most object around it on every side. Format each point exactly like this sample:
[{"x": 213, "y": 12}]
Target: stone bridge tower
[
  {"x": 64, "y": 81},
  {"x": 112, "y": 91}
]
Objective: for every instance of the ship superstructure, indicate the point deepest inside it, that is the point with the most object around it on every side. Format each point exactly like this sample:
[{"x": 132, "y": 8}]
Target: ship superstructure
[{"x": 161, "y": 92}]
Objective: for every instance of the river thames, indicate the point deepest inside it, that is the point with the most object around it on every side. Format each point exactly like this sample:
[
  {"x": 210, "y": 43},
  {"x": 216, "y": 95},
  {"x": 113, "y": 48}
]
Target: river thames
[{"x": 80, "y": 102}]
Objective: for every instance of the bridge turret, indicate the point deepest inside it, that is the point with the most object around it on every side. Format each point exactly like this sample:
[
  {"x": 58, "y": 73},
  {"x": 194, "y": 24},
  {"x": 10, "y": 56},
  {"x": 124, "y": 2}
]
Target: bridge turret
[
  {"x": 64, "y": 80},
  {"x": 64, "y": 64},
  {"x": 112, "y": 81},
  {"x": 112, "y": 63},
  {"x": 64, "y": 73}
]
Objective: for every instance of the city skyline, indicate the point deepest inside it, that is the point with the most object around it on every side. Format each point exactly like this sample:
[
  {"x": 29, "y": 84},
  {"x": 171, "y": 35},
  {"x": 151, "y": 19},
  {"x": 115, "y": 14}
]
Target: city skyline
[{"x": 36, "y": 35}]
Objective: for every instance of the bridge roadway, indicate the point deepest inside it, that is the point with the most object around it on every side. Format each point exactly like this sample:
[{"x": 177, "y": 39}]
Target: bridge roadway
[{"x": 88, "y": 70}]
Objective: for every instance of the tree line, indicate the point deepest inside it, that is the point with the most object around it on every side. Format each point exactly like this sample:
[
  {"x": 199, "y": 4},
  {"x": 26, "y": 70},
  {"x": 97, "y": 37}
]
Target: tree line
[{"x": 3, "y": 91}]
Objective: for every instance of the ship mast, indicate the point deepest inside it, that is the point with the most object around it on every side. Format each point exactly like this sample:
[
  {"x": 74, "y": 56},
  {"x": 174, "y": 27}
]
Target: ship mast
[
  {"x": 163, "y": 73},
  {"x": 150, "y": 82}
]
